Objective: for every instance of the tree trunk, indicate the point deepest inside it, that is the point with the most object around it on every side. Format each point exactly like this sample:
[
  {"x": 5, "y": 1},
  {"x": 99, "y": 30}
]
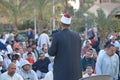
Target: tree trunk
[
  {"x": 103, "y": 34},
  {"x": 66, "y": 7},
  {"x": 15, "y": 24},
  {"x": 40, "y": 28}
]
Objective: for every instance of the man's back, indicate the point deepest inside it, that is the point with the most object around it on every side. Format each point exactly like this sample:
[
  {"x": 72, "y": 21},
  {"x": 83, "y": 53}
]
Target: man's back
[
  {"x": 43, "y": 39},
  {"x": 66, "y": 49}
]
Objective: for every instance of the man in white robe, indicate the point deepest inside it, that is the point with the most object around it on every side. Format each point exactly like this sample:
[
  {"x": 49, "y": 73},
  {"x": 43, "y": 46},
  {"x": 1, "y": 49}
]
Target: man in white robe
[
  {"x": 108, "y": 63},
  {"x": 11, "y": 73}
]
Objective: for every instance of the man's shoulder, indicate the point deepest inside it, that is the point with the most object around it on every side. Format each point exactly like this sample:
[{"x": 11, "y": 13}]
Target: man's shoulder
[
  {"x": 43, "y": 34},
  {"x": 4, "y": 74},
  {"x": 116, "y": 56},
  {"x": 75, "y": 33}
]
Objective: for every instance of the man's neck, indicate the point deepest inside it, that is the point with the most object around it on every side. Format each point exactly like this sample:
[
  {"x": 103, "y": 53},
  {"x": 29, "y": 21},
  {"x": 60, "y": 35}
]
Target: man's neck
[{"x": 65, "y": 28}]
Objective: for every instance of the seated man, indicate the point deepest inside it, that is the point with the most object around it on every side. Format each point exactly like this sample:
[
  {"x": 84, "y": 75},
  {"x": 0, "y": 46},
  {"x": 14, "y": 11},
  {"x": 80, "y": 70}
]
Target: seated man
[
  {"x": 87, "y": 60},
  {"x": 30, "y": 58},
  {"x": 41, "y": 65},
  {"x": 26, "y": 72},
  {"x": 11, "y": 73}
]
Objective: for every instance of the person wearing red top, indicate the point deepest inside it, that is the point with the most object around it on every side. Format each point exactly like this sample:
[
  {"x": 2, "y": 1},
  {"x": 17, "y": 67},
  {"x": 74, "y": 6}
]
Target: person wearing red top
[
  {"x": 16, "y": 44},
  {"x": 30, "y": 58}
]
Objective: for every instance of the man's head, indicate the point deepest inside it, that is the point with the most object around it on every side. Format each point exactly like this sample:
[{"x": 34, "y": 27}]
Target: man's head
[
  {"x": 16, "y": 56},
  {"x": 88, "y": 55},
  {"x": 45, "y": 48},
  {"x": 29, "y": 55},
  {"x": 65, "y": 20},
  {"x": 14, "y": 60},
  {"x": 42, "y": 56},
  {"x": 26, "y": 65},
  {"x": 29, "y": 49},
  {"x": 89, "y": 69},
  {"x": 110, "y": 49},
  {"x": 21, "y": 50},
  {"x": 91, "y": 51},
  {"x": 113, "y": 39},
  {"x": 34, "y": 45},
  {"x": 11, "y": 69},
  {"x": 88, "y": 44}
]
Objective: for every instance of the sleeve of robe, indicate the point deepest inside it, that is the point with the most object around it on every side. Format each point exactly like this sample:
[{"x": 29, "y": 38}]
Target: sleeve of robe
[
  {"x": 53, "y": 49},
  {"x": 117, "y": 68}
]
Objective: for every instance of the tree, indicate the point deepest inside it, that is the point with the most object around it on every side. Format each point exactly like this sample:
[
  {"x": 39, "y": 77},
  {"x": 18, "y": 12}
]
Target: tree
[
  {"x": 43, "y": 8},
  {"x": 106, "y": 24},
  {"x": 15, "y": 11}
]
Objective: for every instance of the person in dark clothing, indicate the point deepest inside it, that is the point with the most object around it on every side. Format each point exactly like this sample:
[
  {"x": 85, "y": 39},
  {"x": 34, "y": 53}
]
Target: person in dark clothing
[
  {"x": 34, "y": 50},
  {"x": 66, "y": 47},
  {"x": 95, "y": 45},
  {"x": 87, "y": 60},
  {"x": 30, "y": 34},
  {"x": 41, "y": 65},
  {"x": 3, "y": 46}
]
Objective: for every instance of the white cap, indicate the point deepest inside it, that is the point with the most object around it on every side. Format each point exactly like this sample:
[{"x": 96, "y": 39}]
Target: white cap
[
  {"x": 66, "y": 19},
  {"x": 25, "y": 62}
]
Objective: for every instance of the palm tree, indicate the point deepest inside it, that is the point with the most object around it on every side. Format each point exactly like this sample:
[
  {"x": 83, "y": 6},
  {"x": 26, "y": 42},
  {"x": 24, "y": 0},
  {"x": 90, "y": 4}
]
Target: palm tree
[
  {"x": 106, "y": 24},
  {"x": 42, "y": 8},
  {"x": 15, "y": 10},
  {"x": 66, "y": 6},
  {"x": 113, "y": 22}
]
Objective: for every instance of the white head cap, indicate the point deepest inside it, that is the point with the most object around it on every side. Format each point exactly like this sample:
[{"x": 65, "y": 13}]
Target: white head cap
[
  {"x": 25, "y": 62},
  {"x": 66, "y": 19}
]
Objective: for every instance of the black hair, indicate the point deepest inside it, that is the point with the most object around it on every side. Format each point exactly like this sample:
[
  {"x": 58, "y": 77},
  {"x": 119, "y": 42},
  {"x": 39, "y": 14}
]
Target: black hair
[
  {"x": 41, "y": 54},
  {"x": 90, "y": 49},
  {"x": 7, "y": 42},
  {"x": 16, "y": 56},
  {"x": 109, "y": 45},
  {"x": 34, "y": 43},
  {"x": 65, "y": 24},
  {"x": 13, "y": 59},
  {"x": 16, "y": 49},
  {"x": 29, "y": 53}
]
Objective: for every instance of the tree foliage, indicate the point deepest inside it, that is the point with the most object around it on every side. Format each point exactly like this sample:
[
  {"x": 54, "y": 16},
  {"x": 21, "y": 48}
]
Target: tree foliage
[{"x": 15, "y": 11}]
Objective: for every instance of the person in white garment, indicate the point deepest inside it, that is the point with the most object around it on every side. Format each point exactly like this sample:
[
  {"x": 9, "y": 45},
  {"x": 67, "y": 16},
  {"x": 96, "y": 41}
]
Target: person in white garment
[
  {"x": 26, "y": 72},
  {"x": 9, "y": 47},
  {"x": 108, "y": 63},
  {"x": 49, "y": 76},
  {"x": 1, "y": 63},
  {"x": 43, "y": 39},
  {"x": 11, "y": 73}
]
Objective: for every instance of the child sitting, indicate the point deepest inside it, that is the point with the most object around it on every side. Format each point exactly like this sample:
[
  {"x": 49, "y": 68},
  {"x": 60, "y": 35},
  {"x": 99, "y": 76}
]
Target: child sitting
[
  {"x": 30, "y": 58},
  {"x": 89, "y": 71}
]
